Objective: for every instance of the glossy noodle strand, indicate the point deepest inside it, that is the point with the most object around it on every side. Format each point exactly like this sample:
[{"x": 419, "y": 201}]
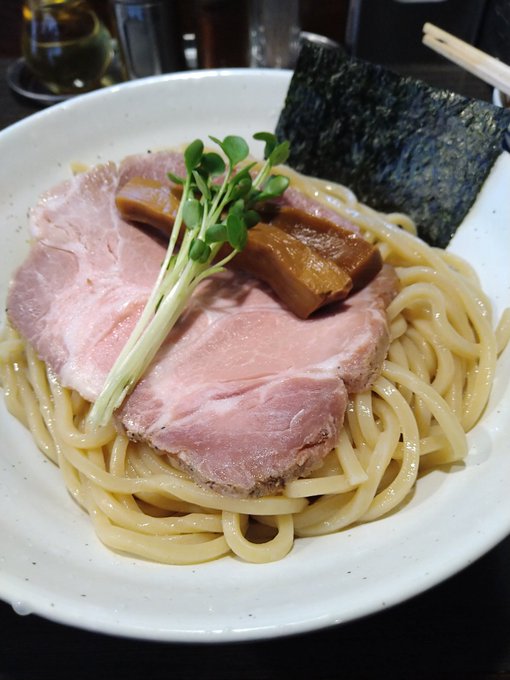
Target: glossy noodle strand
[{"x": 433, "y": 388}]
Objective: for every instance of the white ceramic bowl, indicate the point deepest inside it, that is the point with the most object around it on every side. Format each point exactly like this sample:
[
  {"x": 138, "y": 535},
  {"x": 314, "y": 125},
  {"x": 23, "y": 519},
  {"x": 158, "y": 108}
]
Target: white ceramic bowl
[{"x": 50, "y": 560}]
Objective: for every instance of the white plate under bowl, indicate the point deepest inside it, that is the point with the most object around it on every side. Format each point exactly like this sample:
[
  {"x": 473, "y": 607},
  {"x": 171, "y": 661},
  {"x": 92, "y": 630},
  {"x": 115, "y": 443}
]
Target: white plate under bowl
[{"x": 50, "y": 560}]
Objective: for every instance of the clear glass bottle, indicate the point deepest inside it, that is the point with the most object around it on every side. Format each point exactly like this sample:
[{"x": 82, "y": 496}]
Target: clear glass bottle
[{"x": 65, "y": 44}]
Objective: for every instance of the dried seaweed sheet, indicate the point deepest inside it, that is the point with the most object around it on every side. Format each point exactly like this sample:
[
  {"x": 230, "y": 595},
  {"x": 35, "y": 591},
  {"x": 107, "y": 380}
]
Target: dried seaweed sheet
[{"x": 398, "y": 143}]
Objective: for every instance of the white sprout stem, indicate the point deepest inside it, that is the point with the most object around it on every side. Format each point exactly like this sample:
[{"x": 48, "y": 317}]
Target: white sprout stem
[
  {"x": 171, "y": 292},
  {"x": 126, "y": 372},
  {"x": 152, "y": 302},
  {"x": 263, "y": 173},
  {"x": 174, "y": 286}
]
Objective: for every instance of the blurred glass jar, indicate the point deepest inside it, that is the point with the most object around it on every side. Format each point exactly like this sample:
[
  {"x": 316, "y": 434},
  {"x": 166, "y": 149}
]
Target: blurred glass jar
[
  {"x": 274, "y": 33},
  {"x": 65, "y": 44},
  {"x": 149, "y": 36}
]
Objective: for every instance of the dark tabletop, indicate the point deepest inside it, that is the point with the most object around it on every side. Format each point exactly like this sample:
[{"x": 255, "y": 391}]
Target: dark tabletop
[{"x": 459, "y": 629}]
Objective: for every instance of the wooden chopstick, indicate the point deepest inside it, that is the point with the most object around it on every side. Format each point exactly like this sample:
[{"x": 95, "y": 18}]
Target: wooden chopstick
[{"x": 470, "y": 58}]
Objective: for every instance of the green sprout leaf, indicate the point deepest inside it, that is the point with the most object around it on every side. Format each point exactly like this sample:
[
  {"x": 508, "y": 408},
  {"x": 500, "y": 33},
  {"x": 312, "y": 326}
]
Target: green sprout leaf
[
  {"x": 216, "y": 233},
  {"x": 279, "y": 154},
  {"x": 274, "y": 187},
  {"x": 241, "y": 188},
  {"x": 237, "y": 208},
  {"x": 199, "y": 251},
  {"x": 175, "y": 178},
  {"x": 251, "y": 218},
  {"x": 193, "y": 155},
  {"x": 269, "y": 140},
  {"x": 235, "y": 148},
  {"x": 236, "y": 232},
  {"x": 202, "y": 185},
  {"x": 213, "y": 164},
  {"x": 192, "y": 213}
]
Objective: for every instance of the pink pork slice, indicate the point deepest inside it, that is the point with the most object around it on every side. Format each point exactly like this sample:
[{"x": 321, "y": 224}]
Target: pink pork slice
[{"x": 243, "y": 394}]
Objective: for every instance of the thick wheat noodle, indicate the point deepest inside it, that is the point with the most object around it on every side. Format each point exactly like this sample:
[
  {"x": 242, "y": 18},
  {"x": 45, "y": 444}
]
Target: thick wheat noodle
[{"x": 433, "y": 387}]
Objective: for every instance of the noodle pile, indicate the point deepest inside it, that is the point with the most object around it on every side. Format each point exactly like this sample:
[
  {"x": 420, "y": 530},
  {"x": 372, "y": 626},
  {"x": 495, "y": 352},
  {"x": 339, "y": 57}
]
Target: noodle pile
[{"x": 433, "y": 388}]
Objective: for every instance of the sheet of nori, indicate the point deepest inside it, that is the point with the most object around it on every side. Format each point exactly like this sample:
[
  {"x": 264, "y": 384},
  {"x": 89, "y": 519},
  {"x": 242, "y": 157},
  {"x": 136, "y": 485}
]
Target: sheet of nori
[{"x": 398, "y": 143}]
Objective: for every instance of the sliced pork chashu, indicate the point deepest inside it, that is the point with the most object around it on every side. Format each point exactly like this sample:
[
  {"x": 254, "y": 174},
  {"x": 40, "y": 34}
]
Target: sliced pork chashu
[{"x": 243, "y": 394}]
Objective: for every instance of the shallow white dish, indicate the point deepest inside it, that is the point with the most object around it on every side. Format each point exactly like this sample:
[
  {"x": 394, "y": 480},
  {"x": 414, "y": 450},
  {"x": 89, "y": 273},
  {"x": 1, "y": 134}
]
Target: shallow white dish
[{"x": 50, "y": 560}]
